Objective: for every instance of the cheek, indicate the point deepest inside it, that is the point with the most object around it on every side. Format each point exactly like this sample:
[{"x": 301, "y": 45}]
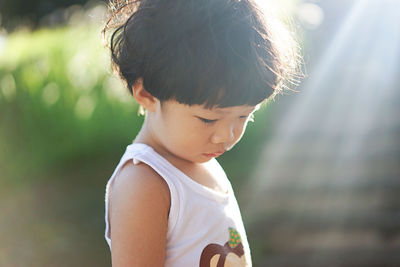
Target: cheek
[
  {"x": 239, "y": 131},
  {"x": 186, "y": 133}
]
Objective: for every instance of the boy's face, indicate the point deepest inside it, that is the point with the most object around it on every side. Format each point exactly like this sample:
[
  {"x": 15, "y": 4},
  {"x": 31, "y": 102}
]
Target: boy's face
[{"x": 197, "y": 134}]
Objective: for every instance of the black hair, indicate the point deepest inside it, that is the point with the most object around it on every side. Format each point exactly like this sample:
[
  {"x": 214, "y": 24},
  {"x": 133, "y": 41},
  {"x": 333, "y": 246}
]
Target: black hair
[{"x": 218, "y": 53}]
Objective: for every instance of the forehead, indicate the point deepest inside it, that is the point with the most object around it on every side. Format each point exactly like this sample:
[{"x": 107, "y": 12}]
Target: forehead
[
  {"x": 229, "y": 110},
  {"x": 217, "y": 111}
]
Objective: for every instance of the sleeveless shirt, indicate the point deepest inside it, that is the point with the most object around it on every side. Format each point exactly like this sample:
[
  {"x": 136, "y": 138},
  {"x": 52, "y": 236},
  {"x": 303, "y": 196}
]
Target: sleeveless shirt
[{"x": 205, "y": 227}]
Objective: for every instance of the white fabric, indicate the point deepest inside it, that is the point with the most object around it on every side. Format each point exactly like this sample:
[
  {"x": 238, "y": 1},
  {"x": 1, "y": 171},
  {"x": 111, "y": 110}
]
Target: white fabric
[{"x": 198, "y": 216}]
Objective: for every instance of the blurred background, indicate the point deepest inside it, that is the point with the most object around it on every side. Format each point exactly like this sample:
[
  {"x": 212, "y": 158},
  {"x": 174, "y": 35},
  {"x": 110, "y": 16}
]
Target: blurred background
[{"x": 317, "y": 175}]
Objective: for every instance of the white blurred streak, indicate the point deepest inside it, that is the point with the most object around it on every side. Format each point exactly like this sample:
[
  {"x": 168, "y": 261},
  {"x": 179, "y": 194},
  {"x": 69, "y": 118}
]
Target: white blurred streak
[
  {"x": 267, "y": 173},
  {"x": 367, "y": 45}
]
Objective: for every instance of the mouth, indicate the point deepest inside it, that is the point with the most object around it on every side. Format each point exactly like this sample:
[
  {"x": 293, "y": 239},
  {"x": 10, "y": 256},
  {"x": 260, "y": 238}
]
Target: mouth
[{"x": 214, "y": 155}]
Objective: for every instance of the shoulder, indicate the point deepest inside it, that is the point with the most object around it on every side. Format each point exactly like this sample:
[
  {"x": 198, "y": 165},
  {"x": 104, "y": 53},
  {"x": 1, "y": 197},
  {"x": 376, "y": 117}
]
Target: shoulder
[{"x": 140, "y": 182}]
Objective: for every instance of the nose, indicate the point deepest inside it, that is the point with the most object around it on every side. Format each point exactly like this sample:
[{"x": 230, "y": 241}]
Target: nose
[{"x": 224, "y": 134}]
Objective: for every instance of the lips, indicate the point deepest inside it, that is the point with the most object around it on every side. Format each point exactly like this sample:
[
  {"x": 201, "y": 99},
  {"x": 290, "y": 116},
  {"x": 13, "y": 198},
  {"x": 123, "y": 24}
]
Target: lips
[{"x": 213, "y": 155}]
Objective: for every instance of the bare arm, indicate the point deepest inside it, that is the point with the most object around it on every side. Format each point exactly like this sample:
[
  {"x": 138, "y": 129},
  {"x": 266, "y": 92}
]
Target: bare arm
[{"x": 139, "y": 217}]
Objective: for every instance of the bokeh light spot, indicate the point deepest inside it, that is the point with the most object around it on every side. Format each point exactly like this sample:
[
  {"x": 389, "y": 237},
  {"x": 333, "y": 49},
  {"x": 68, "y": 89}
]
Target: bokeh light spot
[
  {"x": 51, "y": 93},
  {"x": 310, "y": 15},
  {"x": 8, "y": 87},
  {"x": 84, "y": 107}
]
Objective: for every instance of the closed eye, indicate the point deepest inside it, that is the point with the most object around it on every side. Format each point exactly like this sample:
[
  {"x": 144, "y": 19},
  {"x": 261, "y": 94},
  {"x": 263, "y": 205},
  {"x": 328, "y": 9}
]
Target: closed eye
[{"x": 207, "y": 120}]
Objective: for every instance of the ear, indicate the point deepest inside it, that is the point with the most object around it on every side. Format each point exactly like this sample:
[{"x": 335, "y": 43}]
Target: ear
[{"x": 144, "y": 98}]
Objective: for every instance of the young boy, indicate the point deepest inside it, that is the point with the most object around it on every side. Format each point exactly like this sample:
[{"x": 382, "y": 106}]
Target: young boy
[{"x": 199, "y": 68}]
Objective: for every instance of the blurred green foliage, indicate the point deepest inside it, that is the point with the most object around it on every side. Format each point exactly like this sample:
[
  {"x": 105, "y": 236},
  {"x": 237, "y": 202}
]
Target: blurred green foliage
[
  {"x": 59, "y": 102},
  {"x": 60, "y": 105}
]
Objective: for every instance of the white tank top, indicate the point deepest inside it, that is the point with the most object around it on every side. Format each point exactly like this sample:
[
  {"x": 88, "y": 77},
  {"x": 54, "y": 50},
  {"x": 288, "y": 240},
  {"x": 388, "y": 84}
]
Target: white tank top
[{"x": 205, "y": 227}]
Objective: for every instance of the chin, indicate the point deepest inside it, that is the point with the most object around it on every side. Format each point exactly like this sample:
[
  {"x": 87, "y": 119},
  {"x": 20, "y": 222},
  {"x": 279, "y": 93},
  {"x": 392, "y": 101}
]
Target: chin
[
  {"x": 196, "y": 159},
  {"x": 199, "y": 160},
  {"x": 203, "y": 161}
]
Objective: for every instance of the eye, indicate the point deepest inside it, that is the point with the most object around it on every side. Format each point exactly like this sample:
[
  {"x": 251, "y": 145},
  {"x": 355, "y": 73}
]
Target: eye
[
  {"x": 250, "y": 117},
  {"x": 207, "y": 121}
]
